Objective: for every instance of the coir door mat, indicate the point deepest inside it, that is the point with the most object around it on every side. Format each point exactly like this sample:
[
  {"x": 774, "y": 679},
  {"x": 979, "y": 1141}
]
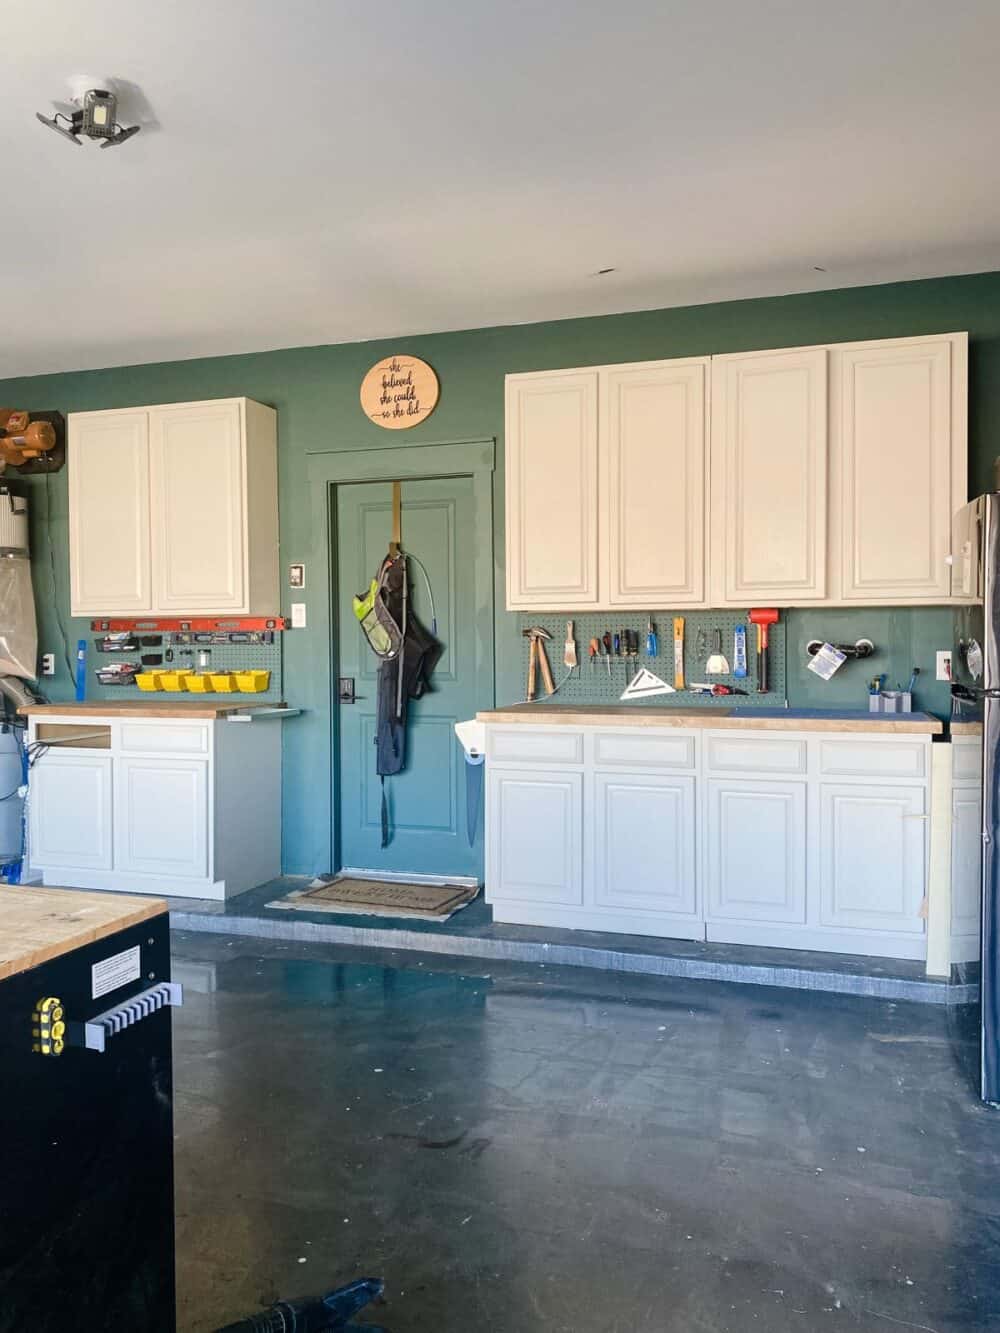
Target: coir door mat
[{"x": 376, "y": 897}]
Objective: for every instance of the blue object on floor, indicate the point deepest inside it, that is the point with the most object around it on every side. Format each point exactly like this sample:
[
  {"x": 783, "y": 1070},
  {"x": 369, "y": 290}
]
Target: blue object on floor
[{"x": 315, "y": 1313}]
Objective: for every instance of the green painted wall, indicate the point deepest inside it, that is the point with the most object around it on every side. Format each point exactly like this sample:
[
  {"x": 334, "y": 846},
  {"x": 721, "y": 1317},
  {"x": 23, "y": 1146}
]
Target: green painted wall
[{"x": 315, "y": 390}]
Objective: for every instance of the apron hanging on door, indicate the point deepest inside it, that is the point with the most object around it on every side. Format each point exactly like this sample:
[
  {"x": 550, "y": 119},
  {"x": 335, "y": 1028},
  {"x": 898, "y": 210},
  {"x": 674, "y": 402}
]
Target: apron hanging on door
[{"x": 408, "y": 654}]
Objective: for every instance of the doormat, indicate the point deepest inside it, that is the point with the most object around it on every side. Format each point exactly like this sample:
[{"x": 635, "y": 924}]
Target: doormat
[{"x": 378, "y": 897}]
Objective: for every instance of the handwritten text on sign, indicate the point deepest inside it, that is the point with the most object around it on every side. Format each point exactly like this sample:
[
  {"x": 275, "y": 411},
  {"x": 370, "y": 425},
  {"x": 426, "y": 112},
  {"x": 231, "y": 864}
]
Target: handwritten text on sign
[{"x": 399, "y": 392}]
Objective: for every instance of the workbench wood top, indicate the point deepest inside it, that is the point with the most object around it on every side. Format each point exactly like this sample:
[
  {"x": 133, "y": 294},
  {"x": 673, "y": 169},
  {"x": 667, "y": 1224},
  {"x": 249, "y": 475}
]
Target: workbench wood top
[
  {"x": 37, "y": 925},
  {"x": 141, "y": 708},
  {"x": 966, "y": 728},
  {"x": 791, "y": 719}
]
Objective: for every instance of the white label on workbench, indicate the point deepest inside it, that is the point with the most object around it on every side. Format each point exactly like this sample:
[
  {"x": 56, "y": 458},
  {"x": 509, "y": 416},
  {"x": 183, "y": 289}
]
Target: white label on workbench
[{"x": 118, "y": 970}]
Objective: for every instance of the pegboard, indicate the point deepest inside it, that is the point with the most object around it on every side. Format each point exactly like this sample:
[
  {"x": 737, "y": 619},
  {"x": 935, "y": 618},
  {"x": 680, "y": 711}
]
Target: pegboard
[
  {"x": 589, "y": 684},
  {"x": 224, "y": 657}
]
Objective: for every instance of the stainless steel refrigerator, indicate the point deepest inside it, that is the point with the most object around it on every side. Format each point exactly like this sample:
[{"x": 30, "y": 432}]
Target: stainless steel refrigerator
[{"x": 975, "y": 699}]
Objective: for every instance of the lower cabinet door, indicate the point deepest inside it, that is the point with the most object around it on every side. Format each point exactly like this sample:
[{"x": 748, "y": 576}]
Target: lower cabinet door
[
  {"x": 872, "y": 857},
  {"x": 161, "y": 816},
  {"x": 644, "y": 853},
  {"x": 535, "y": 822},
  {"x": 70, "y": 811},
  {"x": 756, "y": 834},
  {"x": 966, "y": 860}
]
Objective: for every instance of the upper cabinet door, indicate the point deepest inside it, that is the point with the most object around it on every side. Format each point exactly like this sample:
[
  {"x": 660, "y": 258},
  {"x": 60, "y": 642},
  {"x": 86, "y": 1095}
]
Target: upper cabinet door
[
  {"x": 199, "y": 507},
  {"x": 653, "y": 463},
  {"x": 109, "y": 513},
  {"x": 769, "y": 468},
  {"x": 899, "y": 467},
  {"x": 551, "y": 478}
]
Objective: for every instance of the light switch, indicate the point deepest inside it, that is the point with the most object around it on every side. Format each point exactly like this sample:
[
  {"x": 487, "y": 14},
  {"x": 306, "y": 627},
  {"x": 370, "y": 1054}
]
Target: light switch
[{"x": 298, "y": 615}]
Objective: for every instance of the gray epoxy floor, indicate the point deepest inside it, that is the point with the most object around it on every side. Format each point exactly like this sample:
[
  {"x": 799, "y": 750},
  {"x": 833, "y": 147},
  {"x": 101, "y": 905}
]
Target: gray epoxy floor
[{"x": 573, "y": 1151}]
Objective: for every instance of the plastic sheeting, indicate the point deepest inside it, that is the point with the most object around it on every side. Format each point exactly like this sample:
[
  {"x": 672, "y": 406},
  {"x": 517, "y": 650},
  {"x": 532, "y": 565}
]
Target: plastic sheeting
[{"x": 18, "y": 631}]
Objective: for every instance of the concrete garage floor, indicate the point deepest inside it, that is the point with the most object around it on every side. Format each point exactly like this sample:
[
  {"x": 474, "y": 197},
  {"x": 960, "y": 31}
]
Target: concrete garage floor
[{"x": 567, "y": 1151}]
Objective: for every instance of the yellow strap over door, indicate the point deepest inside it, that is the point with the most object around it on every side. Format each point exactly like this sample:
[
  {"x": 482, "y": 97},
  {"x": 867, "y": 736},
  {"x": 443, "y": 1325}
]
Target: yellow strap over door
[{"x": 397, "y": 518}]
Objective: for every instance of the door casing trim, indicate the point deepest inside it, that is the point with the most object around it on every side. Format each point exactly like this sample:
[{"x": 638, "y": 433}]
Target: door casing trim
[{"x": 332, "y": 468}]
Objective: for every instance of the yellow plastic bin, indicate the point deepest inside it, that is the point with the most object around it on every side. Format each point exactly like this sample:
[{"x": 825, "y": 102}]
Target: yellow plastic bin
[
  {"x": 173, "y": 681},
  {"x": 199, "y": 682},
  {"x": 149, "y": 680},
  {"x": 224, "y": 682},
  {"x": 253, "y": 682}
]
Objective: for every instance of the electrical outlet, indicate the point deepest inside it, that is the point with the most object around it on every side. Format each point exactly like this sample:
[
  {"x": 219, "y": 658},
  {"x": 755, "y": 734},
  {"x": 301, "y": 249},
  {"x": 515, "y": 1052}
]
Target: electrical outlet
[
  {"x": 298, "y": 615},
  {"x": 943, "y": 665},
  {"x": 48, "y": 664}
]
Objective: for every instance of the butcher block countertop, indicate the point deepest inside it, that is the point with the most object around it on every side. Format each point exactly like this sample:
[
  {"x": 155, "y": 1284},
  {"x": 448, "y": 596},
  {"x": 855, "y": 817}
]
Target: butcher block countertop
[
  {"x": 141, "y": 708},
  {"x": 745, "y": 719},
  {"x": 37, "y": 925}
]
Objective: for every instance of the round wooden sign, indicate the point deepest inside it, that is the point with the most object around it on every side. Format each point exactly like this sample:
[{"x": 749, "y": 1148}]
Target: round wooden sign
[{"x": 399, "y": 392}]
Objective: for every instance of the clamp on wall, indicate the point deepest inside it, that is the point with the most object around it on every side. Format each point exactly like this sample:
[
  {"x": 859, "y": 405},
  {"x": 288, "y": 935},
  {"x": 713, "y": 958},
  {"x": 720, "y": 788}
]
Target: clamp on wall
[{"x": 858, "y": 650}]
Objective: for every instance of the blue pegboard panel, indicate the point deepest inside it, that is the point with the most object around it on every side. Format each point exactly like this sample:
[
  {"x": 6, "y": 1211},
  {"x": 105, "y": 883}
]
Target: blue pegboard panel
[{"x": 590, "y": 683}]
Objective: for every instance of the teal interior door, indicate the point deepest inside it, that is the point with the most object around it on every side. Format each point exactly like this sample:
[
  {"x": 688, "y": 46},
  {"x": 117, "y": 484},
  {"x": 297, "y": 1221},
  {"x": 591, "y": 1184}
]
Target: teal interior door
[{"x": 427, "y": 809}]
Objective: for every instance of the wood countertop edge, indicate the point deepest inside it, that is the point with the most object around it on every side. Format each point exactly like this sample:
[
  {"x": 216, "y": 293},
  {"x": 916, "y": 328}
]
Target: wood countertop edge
[
  {"x": 108, "y": 708},
  {"x": 966, "y": 728},
  {"x": 903, "y": 724},
  {"x": 70, "y": 917}
]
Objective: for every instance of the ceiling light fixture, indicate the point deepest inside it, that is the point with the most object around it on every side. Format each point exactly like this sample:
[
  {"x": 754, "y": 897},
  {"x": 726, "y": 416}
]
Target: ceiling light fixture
[{"x": 95, "y": 117}]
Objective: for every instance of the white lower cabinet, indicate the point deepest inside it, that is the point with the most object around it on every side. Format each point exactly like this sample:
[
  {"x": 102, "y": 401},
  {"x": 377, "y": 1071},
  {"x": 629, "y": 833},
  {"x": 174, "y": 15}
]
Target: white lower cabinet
[
  {"x": 757, "y": 851},
  {"x": 873, "y": 857},
  {"x": 966, "y": 871},
  {"x": 538, "y": 854},
  {"x": 161, "y": 816},
  {"x": 173, "y": 806},
  {"x": 796, "y": 839},
  {"x": 644, "y": 847},
  {"x": 70, "y": 811}
]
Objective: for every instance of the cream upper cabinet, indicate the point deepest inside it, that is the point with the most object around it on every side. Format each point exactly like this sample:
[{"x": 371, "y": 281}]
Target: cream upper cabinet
[
  {"x": 551, "y": 480},
  {"x": 109, "y": 551},
  {"x": 898, "y": 415},
  {"x": 795, "y": 477},
  {"x": 651, "y": 446},
  {"x": 769, "y": 476},
  {"x": 199, "y": 523},
  {"x": 605, "y": 475},
  {"x": 188, "y": 493}
]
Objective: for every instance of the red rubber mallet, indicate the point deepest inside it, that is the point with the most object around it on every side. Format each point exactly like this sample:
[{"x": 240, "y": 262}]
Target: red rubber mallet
[{"x": 763, "y": 618}]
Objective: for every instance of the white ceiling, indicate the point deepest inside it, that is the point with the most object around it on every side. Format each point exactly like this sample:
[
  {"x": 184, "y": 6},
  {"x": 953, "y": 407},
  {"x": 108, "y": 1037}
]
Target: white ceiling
[{"x": 329, "y": 170}]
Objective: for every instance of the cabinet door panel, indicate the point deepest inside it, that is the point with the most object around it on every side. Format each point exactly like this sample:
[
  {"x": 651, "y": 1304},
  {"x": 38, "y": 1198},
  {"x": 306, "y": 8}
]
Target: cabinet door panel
[
  {"x": 535, "y": 836},
  {"x": 70, "y": 811},
  {"x": 966, "y": 859},
  {"x": 551, "y": 482},
  {"x": 161, "y": 816},
  {"x": 757, "y": 851},
  {"x": 109, "y": 555},
  {"x": 197, "y": 475},
  {"x": 872, "y": 857},
  {"x": 895, "y": 469},
  {"x": 644, "y": 843},
  {"x": 769, "y": 428},
  {"x": 653, "y": 447}
]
